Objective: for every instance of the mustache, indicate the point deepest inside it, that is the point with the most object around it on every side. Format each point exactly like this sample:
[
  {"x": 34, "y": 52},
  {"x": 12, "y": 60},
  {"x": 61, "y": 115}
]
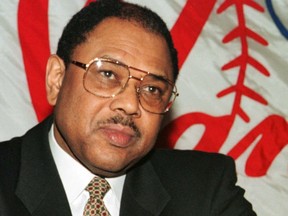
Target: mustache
[{"x": 125, "y": 121}]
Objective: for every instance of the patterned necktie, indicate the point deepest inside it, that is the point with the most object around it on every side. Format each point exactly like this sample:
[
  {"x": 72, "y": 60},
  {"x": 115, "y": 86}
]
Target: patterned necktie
[{"x": 97, "y": 188}]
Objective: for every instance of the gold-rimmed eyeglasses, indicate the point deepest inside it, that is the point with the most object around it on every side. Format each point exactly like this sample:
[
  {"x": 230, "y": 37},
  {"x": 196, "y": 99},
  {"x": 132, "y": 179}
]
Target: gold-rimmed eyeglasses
[{"x": 107, "y": 78}]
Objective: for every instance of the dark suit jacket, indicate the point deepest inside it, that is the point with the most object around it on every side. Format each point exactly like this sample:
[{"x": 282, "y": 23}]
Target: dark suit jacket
[{"x": 166, "y": 182}]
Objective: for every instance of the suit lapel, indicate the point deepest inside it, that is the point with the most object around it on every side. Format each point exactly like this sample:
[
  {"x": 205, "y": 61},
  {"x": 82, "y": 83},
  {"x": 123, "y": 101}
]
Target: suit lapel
[
  {"x": 143, "y": 193},
  {"x": 39, "y": 186}
]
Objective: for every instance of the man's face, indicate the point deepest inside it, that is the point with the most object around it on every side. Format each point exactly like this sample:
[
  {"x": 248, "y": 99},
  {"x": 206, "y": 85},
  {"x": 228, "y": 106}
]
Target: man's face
[{"x": 107, "y": 135}]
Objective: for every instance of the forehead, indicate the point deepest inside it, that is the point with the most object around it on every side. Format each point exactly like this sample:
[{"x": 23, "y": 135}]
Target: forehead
[{"x": 129, "y": 43}]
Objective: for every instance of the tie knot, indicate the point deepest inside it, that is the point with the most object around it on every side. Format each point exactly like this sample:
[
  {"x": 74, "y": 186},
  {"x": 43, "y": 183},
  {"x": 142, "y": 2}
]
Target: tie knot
[{"x": 97, "y": 187}]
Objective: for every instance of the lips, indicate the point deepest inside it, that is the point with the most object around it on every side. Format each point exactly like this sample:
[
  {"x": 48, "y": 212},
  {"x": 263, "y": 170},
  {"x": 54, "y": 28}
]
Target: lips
[{"x": 118, "y": 135}]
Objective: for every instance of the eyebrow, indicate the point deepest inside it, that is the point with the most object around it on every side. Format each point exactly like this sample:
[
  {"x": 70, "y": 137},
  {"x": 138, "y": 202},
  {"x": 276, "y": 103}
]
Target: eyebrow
[
  {"x": 111, "y": 58},
  {"x": 163, "y": 77}
]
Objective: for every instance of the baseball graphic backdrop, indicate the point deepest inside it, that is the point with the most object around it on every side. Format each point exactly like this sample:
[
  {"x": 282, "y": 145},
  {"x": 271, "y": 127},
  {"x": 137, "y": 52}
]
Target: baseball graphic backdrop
[{"x": 233, "y": 81}]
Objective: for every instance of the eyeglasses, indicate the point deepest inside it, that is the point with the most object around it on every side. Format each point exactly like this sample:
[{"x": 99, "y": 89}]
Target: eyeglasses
[{"x": 107, "y": 78}]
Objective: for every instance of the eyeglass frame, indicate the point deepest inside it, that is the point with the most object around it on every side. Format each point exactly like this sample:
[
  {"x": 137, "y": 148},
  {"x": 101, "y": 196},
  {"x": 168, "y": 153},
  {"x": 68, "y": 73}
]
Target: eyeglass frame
[{"x": 128, "y": 67}]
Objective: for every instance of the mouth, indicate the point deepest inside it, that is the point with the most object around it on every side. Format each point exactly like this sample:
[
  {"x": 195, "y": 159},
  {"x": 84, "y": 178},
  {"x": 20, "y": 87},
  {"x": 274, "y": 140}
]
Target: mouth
[
  {"x": 118, "y": 135},
  {"x": 119, "y": 131}
]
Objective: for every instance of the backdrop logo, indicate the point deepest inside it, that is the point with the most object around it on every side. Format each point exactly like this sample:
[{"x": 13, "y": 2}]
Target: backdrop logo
[
  {"x": 33, "y": 28},
  {"x": 276, "y": 19},
  {"x": 271, "y": 134}
]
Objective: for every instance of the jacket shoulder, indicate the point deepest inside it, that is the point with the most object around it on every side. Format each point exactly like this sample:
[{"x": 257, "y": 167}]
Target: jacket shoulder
[
  {"x": 190, "y": 159},
  {"x": 204, "y": 179},
  {"x": 10, "y": 154},
  {"x": 192, "y": 169}
]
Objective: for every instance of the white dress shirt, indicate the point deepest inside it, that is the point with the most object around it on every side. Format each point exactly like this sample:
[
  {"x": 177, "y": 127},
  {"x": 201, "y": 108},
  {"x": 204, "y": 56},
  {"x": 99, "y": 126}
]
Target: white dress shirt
[{"x": 75, "y": 177}]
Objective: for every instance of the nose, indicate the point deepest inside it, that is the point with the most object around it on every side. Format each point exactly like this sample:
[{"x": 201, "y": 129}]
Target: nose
[{"x": 127, "y": 101}]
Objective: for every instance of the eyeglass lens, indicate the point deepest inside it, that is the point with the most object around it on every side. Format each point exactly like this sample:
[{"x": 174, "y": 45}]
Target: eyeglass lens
[{"x": 107, "y": 79}]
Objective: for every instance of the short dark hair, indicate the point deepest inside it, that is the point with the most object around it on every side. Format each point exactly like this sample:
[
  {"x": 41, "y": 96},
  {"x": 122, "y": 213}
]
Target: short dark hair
[{"x": 89, "y": 17}]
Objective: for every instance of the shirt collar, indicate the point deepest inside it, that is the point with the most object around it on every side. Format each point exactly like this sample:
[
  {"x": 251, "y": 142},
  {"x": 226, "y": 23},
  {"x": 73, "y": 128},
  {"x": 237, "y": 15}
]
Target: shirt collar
[{"x": 74, "y": 176}]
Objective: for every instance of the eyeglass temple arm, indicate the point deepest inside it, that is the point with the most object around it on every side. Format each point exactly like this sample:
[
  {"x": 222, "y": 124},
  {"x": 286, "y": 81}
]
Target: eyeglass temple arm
[{"x": 79, "y": 64}]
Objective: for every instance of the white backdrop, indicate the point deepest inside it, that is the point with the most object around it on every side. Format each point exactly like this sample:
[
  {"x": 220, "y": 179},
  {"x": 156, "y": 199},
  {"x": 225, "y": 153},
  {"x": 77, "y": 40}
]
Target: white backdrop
[{"x": 233, "y": 81}]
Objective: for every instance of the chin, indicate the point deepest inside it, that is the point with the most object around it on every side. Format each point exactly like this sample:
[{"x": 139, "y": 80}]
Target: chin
[
  {"x": 108, "y": 172},
  {"x": 113, "y": 169}
]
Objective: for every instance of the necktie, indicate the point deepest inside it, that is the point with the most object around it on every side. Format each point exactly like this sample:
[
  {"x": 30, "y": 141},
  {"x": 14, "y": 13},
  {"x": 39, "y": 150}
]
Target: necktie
[{"x": 97, "y": 188}]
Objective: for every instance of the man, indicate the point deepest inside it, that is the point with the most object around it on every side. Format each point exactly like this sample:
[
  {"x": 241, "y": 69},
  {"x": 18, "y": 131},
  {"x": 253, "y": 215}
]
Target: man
[{"x": 110, "y": 84}]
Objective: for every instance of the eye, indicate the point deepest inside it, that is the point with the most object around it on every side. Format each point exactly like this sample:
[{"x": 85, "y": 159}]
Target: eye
[
  {"x": 152, "y": 90},
  {"x": 108, "y": 74}
]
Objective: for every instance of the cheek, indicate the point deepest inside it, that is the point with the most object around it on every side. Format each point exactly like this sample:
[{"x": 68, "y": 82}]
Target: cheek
[
  {"x": 74, "y": 101},
  {"x": 73, "y": 107},
  {"x": 150, "y": 126}
]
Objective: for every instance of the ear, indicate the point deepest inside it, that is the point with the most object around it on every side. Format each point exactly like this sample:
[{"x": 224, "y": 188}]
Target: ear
[{"x": 55, "y": 71}]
